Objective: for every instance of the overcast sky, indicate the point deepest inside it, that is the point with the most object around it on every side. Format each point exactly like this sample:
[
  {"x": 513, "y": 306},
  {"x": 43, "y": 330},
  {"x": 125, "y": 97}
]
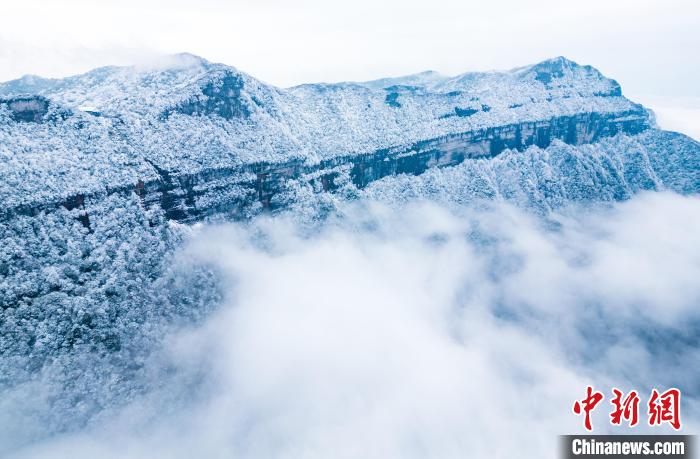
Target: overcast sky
[{"x": 649, "y": 46}]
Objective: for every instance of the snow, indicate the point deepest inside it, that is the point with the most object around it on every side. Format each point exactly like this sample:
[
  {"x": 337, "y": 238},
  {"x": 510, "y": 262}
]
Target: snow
[{"x": 123, "y": 116}]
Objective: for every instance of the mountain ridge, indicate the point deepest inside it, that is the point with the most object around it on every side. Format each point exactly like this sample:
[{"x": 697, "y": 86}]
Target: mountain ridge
[
  {"x": 181, "y": 70},
  {"x": 190, "y": 115}
]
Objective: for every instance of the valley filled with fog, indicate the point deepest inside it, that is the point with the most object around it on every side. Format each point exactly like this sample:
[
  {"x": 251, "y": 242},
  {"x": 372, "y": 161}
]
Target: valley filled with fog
[{"x": 417, "y": 330}]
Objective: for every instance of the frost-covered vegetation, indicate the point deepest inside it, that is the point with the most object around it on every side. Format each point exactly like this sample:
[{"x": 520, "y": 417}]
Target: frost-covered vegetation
[
  {"x": 91, "y": 276},
  {"x": 83, "y": 308},
  {"x": 612, "y": 169},
  {"x": 537, "y": 179}
]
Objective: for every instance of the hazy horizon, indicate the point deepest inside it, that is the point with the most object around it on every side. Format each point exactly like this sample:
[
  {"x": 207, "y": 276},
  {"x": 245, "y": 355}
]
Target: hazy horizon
[{"x": 644, "y": 45}]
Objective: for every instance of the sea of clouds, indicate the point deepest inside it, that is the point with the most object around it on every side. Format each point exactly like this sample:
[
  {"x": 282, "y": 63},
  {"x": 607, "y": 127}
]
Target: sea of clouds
[{"x": 420, "y": 331}]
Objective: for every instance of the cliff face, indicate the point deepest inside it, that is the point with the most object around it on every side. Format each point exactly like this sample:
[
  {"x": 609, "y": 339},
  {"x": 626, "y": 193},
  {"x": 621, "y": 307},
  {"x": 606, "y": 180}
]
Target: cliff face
[
  {"x": 193, "y": 197},
  {"x": 235, "y": 191}
]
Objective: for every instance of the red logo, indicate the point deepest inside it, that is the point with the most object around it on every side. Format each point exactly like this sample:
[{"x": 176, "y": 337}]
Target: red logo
[{"x": 663, "y": 408}]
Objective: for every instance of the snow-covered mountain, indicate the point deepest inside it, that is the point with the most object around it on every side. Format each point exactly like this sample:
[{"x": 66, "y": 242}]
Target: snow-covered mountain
[
  {"x": 114, "y": 127},
  {"x": 98, "y": 171}
]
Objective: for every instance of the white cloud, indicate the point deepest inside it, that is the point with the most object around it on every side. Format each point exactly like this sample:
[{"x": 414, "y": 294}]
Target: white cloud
[{"x": 419, "y": 332}]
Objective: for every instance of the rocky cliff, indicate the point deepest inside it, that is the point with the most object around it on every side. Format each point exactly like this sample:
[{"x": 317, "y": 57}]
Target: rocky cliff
[{"x": 200, "y": 139}]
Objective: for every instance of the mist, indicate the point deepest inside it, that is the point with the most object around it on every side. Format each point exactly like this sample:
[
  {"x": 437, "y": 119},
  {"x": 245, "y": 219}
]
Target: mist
[{"x": 418, "y": 331}]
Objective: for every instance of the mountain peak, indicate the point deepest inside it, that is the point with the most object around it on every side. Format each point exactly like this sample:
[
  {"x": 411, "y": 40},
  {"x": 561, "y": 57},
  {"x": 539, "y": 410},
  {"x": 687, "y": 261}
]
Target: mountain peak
[
  {"x": 557, "y": 64},
  {"x": 557, "y": 68},
  {"x": 560, "y": 60}
]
